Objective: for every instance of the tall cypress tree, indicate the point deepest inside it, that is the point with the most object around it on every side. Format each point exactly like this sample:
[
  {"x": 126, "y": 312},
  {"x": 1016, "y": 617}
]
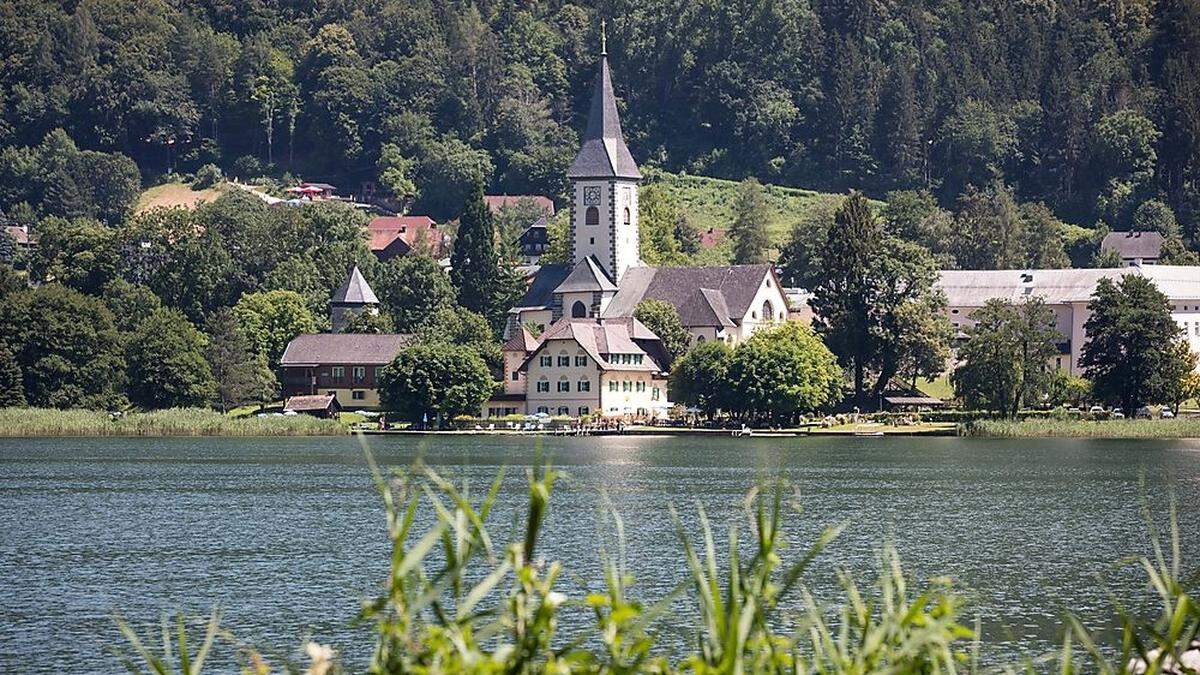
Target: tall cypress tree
[{"x": 475, "y": 269}]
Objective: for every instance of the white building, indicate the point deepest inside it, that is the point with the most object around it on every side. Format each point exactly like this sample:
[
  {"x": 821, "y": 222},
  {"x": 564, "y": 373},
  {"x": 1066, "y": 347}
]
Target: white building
[
  {"x": 1067, "y": 293},
  {"x": 582, "y": 367}
]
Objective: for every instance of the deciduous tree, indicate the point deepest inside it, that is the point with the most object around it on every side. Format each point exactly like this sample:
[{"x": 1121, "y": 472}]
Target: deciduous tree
[
  {"x": 699, "y": 378},
  {"x": 435, "y": 382},
  {"x": 1005, "y": 362},
  {"x": 663, "y": 319},
  {"x": 1130, "y": 354},
  {"x": 167, "y": 365},
  {"x": 271, "y": 320},
  {"x": 779, "y": 373}
]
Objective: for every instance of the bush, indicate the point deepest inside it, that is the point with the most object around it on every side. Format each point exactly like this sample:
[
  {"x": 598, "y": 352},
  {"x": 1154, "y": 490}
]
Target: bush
[
  {"x": 207, "y": 176},
  {"x": 247, "y": 167}
]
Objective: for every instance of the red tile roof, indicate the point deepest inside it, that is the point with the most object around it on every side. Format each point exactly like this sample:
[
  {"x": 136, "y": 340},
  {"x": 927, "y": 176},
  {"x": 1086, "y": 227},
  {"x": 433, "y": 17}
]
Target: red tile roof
[{"x": 383, "y": 230}]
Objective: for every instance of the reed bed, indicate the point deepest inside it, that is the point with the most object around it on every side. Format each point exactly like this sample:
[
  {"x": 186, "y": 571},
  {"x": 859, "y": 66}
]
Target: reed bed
[
  {"x": 1060, "y": 428},
  {"x": 18, "y": 422},
  {"x": 457, "y": 600}
]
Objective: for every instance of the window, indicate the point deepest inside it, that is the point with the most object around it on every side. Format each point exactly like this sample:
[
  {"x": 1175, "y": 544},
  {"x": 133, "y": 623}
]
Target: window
[
  {"x": 768, "y": 311},
  {"x": 546, "y": 361},
  {"x": 564, "y": 410},
  {"x": 360, "y": 373},
  {"x": 516, "y": 376},
  {"x": 564, "y": 361},
  {"x": 358, "y": 395},
  {"x": 583, "y": 411},
  {"x": 637, "y": 358},
  {"x": 592, "y": 217},
  {"x": 564, "y": 385},
  {"x": 612, "y": 385},
  {"x": 338, "y": 372},
  {"x": 584, "y": 385},
  {"x": 592, "y": 241},
  {"x": 654, "y": 394},
  {"x": 578, "y": 310},
  {"x": 1198, "y": 328},
  {"x": 627, "y": 218},
  {"x": 626, "y": 386},
  {"x": 580, "y": 361},
  {"x": 641, "y": 387},
  {"x": 543, "y": 387},
  {"x": 543, "y": 409},
  {"x": 699, "y": 338}
]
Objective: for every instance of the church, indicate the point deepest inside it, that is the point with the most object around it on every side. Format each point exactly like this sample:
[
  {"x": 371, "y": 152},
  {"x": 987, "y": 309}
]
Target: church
[
  {"x": 606, "y": 278},
  {"x": 590, "y": 356}
]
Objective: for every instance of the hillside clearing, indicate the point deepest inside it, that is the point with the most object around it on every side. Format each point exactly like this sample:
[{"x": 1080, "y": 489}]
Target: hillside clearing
[
  {"x": 709, "y": 205},
  {"x": 169, "y": 195}
]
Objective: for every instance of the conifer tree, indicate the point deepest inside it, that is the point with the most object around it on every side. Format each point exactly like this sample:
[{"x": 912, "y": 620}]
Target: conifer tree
[
  {"x": 484, "y": 285},
  {"x": 751, "y": 240}
]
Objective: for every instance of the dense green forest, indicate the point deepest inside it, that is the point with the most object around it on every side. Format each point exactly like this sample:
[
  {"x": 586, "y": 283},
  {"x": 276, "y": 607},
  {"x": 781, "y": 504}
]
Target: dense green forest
[{"x": 1092, "y": 107}]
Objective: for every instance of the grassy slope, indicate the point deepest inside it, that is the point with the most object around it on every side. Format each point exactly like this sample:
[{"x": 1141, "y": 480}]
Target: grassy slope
[
  {"x": 175, "y": 194},
  {"x": 708, "y": 203}
]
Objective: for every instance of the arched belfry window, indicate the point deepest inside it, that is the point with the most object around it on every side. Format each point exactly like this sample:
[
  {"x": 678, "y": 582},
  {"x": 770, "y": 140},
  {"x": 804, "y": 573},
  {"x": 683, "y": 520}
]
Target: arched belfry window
[
  {"x": 579, "y": 310},
  {"x": 768, "y": 311},
  {"x": 592, "y": 217},
  {"x": 627, "y": 220}
]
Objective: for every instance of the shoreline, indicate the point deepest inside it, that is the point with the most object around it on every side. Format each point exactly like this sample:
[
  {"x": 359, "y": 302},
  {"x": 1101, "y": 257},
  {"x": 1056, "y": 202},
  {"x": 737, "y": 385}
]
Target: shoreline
[{"x": 195, "y": 423}]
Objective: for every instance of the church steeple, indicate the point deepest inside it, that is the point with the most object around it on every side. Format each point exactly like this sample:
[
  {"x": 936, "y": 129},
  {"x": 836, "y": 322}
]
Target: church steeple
[{"x": 603, "y": 153}]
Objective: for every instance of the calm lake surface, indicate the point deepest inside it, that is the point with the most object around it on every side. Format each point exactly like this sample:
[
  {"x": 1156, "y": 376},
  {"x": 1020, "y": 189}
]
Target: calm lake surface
[{"x": 286, "y": 536}]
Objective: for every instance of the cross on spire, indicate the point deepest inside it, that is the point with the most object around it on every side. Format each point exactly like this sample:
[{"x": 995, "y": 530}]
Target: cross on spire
[{"x": 603, "y": 39}]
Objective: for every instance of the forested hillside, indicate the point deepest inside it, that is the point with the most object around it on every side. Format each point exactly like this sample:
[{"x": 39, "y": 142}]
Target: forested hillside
[{"x": 1092, "y": 107}]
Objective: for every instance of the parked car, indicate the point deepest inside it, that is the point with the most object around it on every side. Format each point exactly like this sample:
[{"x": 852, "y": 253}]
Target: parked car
[
  {"x": 1096, "y": 410},
  {"x": 1118, "y": 415},
  {"x": 1167, "y": 414},
  {"x": 1143, "y": 413}
]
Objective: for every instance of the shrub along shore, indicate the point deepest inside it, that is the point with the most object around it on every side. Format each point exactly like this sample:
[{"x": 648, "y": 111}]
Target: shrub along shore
[
  {"x": 16, "y": 422},
  {"x": 1182, "y": 427}
]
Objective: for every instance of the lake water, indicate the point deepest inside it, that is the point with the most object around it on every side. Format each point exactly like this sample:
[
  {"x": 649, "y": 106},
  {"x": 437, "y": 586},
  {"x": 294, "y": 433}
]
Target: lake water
[{"x": 286, "y": 536}]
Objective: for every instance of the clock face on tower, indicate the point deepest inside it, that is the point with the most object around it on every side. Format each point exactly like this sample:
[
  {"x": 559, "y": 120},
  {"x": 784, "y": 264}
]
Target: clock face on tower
[{"x": 591, "y": 195}]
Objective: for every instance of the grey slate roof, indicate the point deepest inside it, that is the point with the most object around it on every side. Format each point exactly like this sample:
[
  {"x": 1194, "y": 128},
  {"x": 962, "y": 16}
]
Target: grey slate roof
[
  {"x": 541, "y": 289},
  {"x": 704, "y": 296},
  {"x": 311, "y": 403},
  {"x": 603, "y": 153},
  {"x": 343, "y": 348},
  {"x": 1144, "y": 245},
  {"x": 972, "y": 288},
  {"x": 355, "y": 291},
  {"x": 586, "y": 276}
]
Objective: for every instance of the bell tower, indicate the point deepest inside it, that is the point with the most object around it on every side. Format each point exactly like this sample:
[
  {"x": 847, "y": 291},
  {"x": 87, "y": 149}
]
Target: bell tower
[{"x": 604, "y": 185}]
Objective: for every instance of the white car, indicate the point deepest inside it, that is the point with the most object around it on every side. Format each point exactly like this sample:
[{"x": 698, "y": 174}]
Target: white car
[
  {"x": 1095, "y": 410},
  {"x": 1167, "y": 414}
]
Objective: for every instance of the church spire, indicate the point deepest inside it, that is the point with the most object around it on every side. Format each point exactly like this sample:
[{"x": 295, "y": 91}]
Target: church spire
[{"x": 603, "y": 153}]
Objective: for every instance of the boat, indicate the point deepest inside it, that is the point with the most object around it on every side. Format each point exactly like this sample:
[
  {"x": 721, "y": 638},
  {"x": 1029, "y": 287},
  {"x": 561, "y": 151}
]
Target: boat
[{"x": 871, "y": 434}]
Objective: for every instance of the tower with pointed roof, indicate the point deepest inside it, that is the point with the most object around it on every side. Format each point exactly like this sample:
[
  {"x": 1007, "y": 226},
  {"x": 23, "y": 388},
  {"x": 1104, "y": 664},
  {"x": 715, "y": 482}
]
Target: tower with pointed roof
[
  {"x": 352, "y": 299},
  {"x": 604, "y": 185}
]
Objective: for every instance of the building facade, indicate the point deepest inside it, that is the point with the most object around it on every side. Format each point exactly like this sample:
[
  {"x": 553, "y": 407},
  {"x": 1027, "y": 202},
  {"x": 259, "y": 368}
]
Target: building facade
[
  {"x": 1067, "y": 293},
  {"x": 343, "y": 365},
  {"x": 585, "y": 367}
]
